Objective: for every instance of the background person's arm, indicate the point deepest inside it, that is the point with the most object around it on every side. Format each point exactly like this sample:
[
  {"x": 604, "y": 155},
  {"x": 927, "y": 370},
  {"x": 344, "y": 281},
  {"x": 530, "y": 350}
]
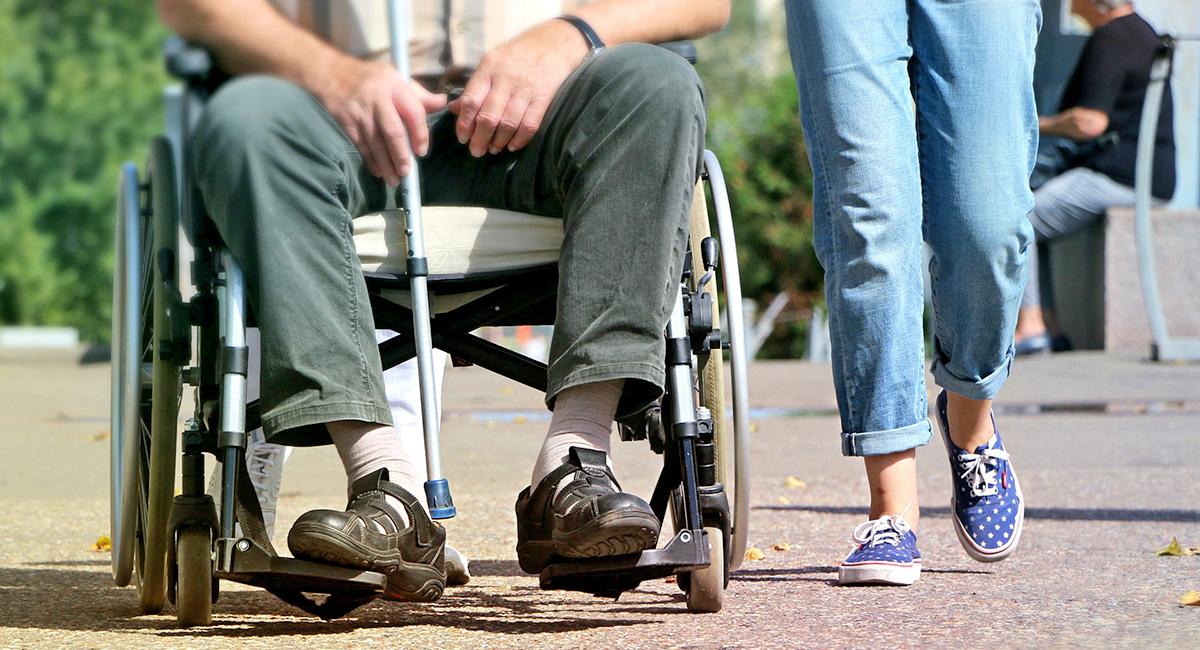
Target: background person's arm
[
  {"x": 368, "y": 100},
  {"x": 507, "y": 97},
  {"x": 1077, "y": 123}
]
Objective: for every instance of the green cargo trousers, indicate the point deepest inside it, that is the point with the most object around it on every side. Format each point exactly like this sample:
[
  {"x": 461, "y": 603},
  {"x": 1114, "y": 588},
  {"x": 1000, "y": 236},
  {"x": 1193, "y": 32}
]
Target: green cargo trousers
[{"x": 616, "y": 158}]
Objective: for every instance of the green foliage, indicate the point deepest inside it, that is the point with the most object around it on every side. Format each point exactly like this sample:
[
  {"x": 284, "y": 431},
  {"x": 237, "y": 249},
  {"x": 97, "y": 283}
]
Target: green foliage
[
  {"x": 80, "y": 92},
  {"x": 754, "y": 128},
  {"x": 80, "y": 88}
]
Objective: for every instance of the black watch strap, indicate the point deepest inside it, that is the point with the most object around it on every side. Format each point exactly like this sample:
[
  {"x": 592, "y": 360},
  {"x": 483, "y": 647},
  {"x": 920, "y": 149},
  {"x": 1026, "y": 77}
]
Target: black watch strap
[{"x": 593, "y": 39}]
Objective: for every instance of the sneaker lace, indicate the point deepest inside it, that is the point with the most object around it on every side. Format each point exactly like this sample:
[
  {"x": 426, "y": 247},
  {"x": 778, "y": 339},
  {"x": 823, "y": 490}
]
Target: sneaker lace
[
  {"x": 261, "y": 458},
  {"x": 885, "y": 530},
  {"x": 979, "y": 470}
]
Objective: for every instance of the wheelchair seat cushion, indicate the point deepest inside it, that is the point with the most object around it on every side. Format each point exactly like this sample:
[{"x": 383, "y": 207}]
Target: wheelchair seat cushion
[{"x": 460, "y": 242}]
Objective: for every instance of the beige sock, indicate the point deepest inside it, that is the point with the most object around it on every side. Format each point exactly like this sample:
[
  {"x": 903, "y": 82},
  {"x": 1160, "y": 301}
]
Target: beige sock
[
  {"x": 583, "y": 417},
  {"x": 365, "y": 447}
]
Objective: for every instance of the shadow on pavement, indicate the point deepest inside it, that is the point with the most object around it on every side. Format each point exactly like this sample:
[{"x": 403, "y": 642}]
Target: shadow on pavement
[
  {"x": 1067, "y": 514},
  {"x": 54, "y": 596}
]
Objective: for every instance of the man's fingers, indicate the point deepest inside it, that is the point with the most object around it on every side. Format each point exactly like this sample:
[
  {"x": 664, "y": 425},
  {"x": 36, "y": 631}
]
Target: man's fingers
[
  {"x": 429, "y": 101},
  {"x": 395, "y": 142},
  {"x": 531, "y": 121},
  {"x": 487, "y": 120},
  {"x": 510, "y": 120},
  {"x": 469, "y": 104},
  {"x": 411, "y": 110}
]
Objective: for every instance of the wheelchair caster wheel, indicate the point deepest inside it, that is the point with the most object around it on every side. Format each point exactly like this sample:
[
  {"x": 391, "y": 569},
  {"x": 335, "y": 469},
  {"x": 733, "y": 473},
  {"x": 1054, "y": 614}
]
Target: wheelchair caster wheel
[
  {"x": 706, "y": 587},
  {"x": 194, "y": 589}
]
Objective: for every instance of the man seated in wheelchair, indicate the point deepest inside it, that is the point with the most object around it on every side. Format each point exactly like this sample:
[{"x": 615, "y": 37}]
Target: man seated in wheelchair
[{"x": 311, "y": 133}]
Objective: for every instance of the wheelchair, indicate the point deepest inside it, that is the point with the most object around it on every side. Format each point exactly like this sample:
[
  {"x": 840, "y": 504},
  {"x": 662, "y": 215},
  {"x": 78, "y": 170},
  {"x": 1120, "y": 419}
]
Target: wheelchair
[{"x": 178, "y": 547}]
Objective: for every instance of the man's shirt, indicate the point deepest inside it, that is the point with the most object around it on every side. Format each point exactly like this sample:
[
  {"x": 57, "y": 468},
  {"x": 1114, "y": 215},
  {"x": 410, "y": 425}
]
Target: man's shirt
[
  {"x": 1112, "y": 76},
  {"x": 448, "y": 37}
]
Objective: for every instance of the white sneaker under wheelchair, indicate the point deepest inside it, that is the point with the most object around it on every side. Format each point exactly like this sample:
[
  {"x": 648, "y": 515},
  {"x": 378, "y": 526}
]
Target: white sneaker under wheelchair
[
  {"x": 264, "y": 468},
  {"x": 179, "y": 547}
]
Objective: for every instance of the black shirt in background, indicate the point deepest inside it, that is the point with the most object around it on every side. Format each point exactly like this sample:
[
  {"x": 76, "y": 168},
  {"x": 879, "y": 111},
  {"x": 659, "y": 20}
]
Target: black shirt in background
[{"x": 1111, "y": 76}]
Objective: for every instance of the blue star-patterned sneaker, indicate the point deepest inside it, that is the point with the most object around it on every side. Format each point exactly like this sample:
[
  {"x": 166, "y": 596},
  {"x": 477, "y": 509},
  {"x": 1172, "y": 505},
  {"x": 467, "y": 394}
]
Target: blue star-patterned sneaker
[
  {"x": 886, "y": 554},
  {"x": 987, "y": 503}
]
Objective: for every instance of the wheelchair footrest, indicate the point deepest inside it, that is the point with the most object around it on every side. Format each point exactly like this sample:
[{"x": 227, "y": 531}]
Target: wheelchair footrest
[
  {"x": 609, "y": 577},
  {"x": 324, "y": 590}
]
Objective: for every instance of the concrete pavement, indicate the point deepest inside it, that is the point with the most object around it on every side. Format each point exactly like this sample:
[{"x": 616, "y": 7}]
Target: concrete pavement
[{"x": 1105, "y": 446}]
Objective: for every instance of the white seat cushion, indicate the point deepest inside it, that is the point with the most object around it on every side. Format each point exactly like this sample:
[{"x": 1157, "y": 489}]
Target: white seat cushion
[{"x": 460, "y": 241}]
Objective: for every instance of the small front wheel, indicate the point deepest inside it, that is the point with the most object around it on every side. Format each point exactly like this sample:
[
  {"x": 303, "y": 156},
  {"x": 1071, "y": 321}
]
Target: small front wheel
[
  {"x": 193, "y": 557},
  {"x": 706, "y": 587}
]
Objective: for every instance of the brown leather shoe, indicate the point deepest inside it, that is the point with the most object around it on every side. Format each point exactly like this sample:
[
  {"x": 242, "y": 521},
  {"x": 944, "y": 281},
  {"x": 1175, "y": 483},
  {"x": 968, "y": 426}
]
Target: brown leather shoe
[
  {"x": 413, "y": 556},
  {"x": 588, "y": 517}
]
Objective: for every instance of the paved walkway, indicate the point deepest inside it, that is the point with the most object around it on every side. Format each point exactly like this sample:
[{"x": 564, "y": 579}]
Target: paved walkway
[{"x": 1106, "y": 448}]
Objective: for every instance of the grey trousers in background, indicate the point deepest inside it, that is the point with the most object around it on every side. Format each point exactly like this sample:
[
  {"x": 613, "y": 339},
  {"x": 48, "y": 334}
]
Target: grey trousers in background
[
  {"x": 1063, "y": 205},
  {"x": 616, "y": 158}
]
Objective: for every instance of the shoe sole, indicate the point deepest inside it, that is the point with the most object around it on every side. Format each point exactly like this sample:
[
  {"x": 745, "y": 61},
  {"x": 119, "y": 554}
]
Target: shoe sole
[
  {"x": 415, "y": 583},
  {"x": 978, "y": 553},
  {"x": 407, "y": 581},
  {"x": 879, "y": 573},
  {"x": 615, "y": 533}
]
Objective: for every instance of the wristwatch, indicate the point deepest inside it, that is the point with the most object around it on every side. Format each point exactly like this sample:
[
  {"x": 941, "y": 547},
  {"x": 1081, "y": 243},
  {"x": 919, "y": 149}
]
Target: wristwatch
[{"x": 593, "y": 39}]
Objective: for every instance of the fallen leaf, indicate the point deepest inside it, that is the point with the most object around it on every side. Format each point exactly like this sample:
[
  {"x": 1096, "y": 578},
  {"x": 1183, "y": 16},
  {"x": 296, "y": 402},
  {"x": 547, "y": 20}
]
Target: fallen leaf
[
  {"x": 784, "y": 500},
  {"x": 753, "y": 428},
  {"x": 104, "y": 543},
  {"x": 793, "y": 482},
  {"x": 671, "y": 579},
  {"x": 520, "y": 419},
  {"x": 1174, "y": 549},
  {"x": 782, "y": 547},
  {"x": 1190, "y": 598},
  {"x": 102, "y": 436},
  {"x": 754, "y": 555}
]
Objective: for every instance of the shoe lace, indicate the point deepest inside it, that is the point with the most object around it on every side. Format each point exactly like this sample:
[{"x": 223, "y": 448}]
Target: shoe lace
[
  {"x": 885, "y": 530},
  {"x": 979, "y": 470},
  {"x": 261, "y": 457}
]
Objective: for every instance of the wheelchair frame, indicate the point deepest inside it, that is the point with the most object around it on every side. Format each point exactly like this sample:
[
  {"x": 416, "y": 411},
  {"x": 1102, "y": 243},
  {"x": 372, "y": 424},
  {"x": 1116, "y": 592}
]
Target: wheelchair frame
[{"x": 180, "y": 548}]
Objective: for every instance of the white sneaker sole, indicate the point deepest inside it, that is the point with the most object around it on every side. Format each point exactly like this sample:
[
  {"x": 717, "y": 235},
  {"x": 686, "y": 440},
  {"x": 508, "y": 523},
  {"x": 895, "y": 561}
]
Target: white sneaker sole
[{"x": 879, "y": 573}]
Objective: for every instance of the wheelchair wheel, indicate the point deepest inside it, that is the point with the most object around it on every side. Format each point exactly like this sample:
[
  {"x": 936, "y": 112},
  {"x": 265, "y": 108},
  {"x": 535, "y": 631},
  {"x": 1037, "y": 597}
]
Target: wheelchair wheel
[
  {"x": 126, "y": 372},
  {"x": 705, "y": 587},
  {"x": 146, "y": 382},
  {"x": 193, "y": 589},
  {"x": 733, "y": 441}
]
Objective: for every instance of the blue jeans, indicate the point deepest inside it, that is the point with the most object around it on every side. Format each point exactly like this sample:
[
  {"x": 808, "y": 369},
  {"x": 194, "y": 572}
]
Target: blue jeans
[{"x": 954, "y": 173}]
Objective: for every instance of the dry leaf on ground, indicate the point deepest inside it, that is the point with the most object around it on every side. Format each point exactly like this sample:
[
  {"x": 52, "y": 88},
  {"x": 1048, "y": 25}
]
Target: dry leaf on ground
[
  {"x": 784, "y": 500},
  {"x": 103, "y": 543},
  {"x": 782, "y": 547},
  {"x": 793, "y": 482},
  {"x": 1190, "y": 598},
  {"x": 754, "y": 555},
  {"x": 1174, "y": 549}
]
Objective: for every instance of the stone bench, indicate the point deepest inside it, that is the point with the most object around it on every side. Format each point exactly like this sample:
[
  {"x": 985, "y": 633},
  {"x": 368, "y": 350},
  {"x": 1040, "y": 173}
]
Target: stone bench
[{"x": 1097, "y": 289}]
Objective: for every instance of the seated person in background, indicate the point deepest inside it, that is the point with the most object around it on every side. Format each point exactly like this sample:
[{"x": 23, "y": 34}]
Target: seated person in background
[
  {"x": 1101, "y": 110},
  {"x": 308, "y": 137}
]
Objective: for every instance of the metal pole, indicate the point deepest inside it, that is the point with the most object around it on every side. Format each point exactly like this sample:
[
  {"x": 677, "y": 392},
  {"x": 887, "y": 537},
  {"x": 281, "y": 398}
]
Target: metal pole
[{"x": 437, "y": 489}]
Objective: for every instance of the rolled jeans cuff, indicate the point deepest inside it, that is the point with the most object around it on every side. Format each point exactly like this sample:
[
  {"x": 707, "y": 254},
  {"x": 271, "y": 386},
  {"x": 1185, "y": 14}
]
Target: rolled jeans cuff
[
  {"x": 977, "y": 389},
  {"x": 890, "y": 441}
]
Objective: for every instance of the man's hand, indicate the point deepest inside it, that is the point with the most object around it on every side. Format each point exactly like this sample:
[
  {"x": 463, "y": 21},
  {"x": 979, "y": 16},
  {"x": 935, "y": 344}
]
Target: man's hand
[
  {"x": 507, "y": 97},
  {"x": 381, "y": 114},
  {"x": 1077, "y": 123}
]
